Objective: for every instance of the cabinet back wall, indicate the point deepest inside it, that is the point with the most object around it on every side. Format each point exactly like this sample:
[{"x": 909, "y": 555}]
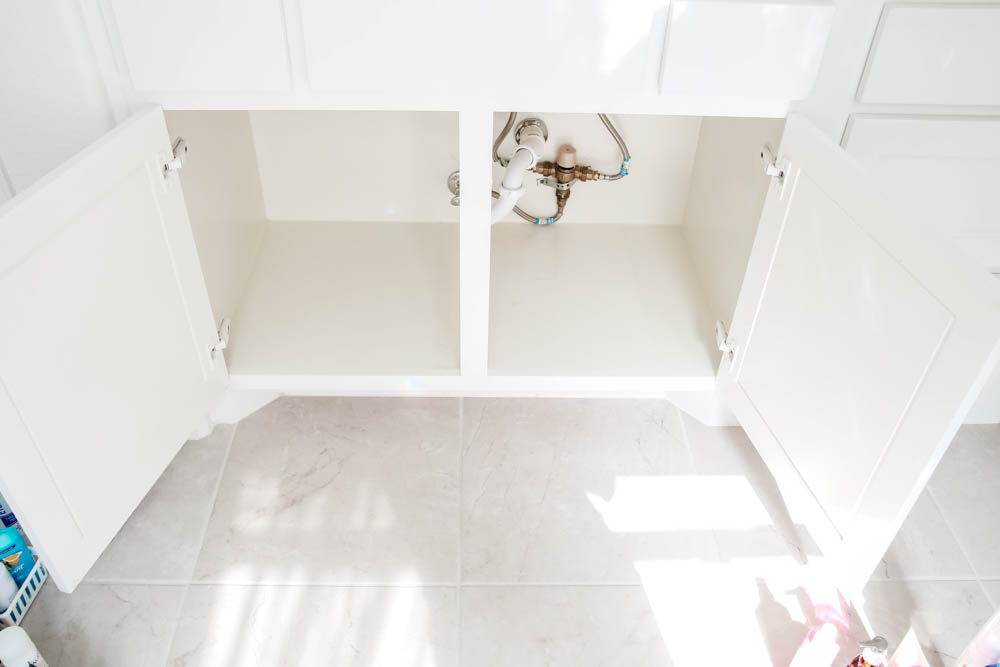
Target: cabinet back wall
[{"x": 356, "y": 166}]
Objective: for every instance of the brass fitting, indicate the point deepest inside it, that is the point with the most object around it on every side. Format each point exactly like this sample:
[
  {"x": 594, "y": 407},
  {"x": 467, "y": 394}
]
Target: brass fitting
[
  {"x": 586, "y": 173},
  {"x": 580, "y": 172},
  {"x": 562, "y": 196},
  {"x": 566, "y": 170},
  {"x": 545, "y": 168}
]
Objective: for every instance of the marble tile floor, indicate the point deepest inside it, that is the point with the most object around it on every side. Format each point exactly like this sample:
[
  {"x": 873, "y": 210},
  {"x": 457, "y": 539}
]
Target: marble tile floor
[
  {"x": 941, "y": 576},
  {"x": 446, "y": 532}
]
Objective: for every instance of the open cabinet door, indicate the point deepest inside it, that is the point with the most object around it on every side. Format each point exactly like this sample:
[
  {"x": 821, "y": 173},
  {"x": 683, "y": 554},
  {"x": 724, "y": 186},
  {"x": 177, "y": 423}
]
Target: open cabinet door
[
  {"x": 106, "y": 336},
  {"x": 860, "y": 340}
]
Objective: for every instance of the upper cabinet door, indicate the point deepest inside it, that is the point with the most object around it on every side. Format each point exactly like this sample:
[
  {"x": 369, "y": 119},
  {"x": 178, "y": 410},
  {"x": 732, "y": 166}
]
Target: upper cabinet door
[
  {"x": 860, "y": 340},
  {"x": 106, "y": 333}
]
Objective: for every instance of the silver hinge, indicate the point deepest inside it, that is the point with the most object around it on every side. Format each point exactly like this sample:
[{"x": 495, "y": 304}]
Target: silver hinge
[
  {"x": 774, "y": 167},
  {"x": 726, "y": 346},
  {"x": 223, "y": 339},
  {"x": 180, "y": 151}
]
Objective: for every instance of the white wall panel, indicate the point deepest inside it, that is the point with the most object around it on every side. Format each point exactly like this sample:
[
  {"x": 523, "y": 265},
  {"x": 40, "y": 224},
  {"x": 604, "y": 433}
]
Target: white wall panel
[
  {"x": 52, "y": 101},
  {"x": 654, "y": 192},
  {"x": 357, "y": 166},
  {"x": 744, "y": 49},
  {"x": 203, "y": 45},
  {"x": 935, "y": 54}
]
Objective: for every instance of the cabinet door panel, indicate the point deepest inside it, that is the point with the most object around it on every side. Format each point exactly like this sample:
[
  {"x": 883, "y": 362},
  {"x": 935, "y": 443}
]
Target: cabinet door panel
[
  {"x": 945, "y": 166},
  {"x": 934, "y": 53},
  {"x": 189, "y": 46},
  {"x": 105, "y": 341},
  {"x": 527, "y": 48},
  {"x": 861, "y": 341},
  {"x": 753, "y": 50}
]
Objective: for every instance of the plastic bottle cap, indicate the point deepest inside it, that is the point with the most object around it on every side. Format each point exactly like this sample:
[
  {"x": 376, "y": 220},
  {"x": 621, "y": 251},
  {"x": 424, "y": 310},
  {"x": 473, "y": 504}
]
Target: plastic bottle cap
[
  {"x": 17, "y": 649},
  {"x": 874, "y": 651}
]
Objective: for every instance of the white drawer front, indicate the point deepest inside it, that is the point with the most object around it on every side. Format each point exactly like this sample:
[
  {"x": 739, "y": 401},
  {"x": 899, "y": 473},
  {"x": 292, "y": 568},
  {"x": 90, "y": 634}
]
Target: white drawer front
[
  {"x": 744, "y": 49},
  {"x": 935, "y": 54}
]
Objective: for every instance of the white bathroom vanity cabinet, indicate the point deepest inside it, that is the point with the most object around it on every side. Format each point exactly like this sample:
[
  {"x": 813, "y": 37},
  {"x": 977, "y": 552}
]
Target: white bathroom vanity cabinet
[{"x": 303, "y": 243}]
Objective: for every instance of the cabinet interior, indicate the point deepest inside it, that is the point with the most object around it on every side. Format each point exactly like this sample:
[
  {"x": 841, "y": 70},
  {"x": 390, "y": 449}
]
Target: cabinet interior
[
  {"x": 329, "y": 239},
  {"x": 631, "y": 280}
]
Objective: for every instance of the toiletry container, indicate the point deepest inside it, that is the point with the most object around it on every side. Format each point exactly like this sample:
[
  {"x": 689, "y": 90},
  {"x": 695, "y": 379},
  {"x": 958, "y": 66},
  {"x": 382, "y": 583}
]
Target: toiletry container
[
  {"x": 15, "y": 555},
  {"x": 8, "y": 589},
  {"x": 7, "y": 518},
  {"x": 17, "y": 649}
]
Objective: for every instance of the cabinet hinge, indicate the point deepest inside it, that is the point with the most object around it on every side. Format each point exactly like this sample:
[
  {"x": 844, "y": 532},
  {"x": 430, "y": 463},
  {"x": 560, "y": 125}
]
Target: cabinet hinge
[
  {"x": 179, "y": 154},
  {"x": 223, "y": 338},
  {"x": 726, "y": 346},
  {"x": 774, "y": 167}
]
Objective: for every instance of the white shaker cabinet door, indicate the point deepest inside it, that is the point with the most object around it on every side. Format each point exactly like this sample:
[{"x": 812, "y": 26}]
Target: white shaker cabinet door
[
  {"x": 105, "y": 342},
  {"x": 860, "y": 340}
]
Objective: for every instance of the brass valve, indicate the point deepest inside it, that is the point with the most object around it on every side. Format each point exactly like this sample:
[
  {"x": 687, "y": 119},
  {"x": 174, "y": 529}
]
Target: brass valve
[
  {"x": 566, "y": 171},
  {"x": 580, "y": 172},
  {"x": 545, "y": 168}
]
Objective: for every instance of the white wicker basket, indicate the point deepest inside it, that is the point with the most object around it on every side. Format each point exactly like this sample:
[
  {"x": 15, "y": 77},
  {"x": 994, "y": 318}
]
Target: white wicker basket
[{"x": 25, "y": 595}]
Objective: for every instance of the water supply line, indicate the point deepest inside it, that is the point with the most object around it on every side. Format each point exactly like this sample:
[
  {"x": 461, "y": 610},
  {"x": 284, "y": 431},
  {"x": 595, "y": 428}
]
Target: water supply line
[
  {"x": 561, "y": 174},
  {"x": 626, "y": 156}
]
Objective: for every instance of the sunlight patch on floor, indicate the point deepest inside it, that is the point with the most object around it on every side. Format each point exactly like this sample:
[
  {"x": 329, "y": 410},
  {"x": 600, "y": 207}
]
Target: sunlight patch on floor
[{"x": 647, "y": 504}]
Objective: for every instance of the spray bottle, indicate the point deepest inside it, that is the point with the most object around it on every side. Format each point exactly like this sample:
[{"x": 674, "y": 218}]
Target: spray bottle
[{"x": 873, "y": 653}]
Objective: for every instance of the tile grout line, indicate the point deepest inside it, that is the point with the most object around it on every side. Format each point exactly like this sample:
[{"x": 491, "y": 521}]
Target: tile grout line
[
  {"x": 201, "y": 536},
  {"x": 222, "y": 583},
  {"x": 126, "y": 581},
  {"x": 461, "y": 490},
  {"x": 553, "y": 584},
  {"x": 926, "y": 580},
  {"x": 961, "y": 548}
]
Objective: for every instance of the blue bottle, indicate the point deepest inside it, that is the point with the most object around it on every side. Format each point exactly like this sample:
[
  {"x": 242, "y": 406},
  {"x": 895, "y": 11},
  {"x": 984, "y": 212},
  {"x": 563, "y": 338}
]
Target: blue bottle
[{"x": 15, "y": 555}]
